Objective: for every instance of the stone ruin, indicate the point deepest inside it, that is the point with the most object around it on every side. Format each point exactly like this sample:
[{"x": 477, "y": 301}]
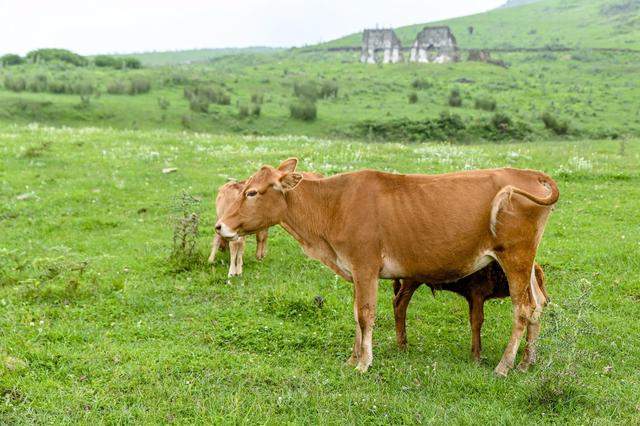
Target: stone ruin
[
  {"x": 435, "y": 45},
  {"x": 381, "y": 46}
]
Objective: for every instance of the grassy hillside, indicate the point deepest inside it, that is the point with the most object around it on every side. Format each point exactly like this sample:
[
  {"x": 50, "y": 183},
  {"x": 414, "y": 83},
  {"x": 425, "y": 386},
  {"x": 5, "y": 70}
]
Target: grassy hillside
[
  {"x": 571, "y": 23},
  {"x": 178, "y": 57},
  {"x": 99, "y": 325}
]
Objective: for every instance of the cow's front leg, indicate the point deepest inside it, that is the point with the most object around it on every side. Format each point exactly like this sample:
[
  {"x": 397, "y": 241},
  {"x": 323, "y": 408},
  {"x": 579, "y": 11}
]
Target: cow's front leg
[
  {"x": 357, "y": 343},
  {"x": 366, "y": 293}
]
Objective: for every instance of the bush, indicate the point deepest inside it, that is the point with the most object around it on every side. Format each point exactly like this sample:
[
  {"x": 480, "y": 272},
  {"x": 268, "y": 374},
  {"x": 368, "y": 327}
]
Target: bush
[
  {"x": 486, "y": 104},
  {"x": 117, "y": 87},
  {"x": 243, "y": 111},
  {"x": 199, "y": 104},
  {"x": 38, "y": 84},
  {"x": 58, "y": 87},
  {"x": 329, "y": 89},
  {"x": 446, "y": 126},
  {"x": 557, "y": 126},
  {"x": 105, "y": 61},
  {"x": 11, "y": 59},
  {"x": 303, "y": 110},
  {"x": 306, "y": 90},
  {"x": 257, "y": 99},
  {"x": 17, "y": 84},
  {"x": 455, "y": 100},
  {"x": 210, "y": 94},
  {"x": 62, "y": 55},
  {"x": 413, "y": 98},
  {"x": 139, "y": 85},
  {"x": 256, "y": 110},
  {"x": 132, "y": 63},
  {"x": 83, "y": 88},
  {"x": 421, "y": 84}
]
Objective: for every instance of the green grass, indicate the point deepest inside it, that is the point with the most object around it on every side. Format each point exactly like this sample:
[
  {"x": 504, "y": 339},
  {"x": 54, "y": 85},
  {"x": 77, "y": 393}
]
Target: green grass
[
  {"x": 595, "y": 92},
  {"x": 98, "y": 325},
  {"x": 178, "y": 57},
  {"x": 570, "y": 23}
]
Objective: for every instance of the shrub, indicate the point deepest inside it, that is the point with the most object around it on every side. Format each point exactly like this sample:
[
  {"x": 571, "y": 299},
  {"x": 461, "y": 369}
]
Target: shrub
[
  {"x": 105, "y": 61},
  {"x": 421, "y": 84},
  {"x": 210, "y": 94},
  {"x": 38, "y": 84},
  {"x": 256, "y": 109},
  {"x": 83, "y": 88},
  {"x": 139, "y": 85},
  {"x": 11, "y": 59},
  {"x": 557, "y": 126},
  {"x": 132, "y": 63},
  {"x": 62, "y": 55},
  {"x": 303, "y": 110},
  {"x": 329, "y": 89},
  {"x": 446, "y": 126},
  {"x": 15, "y": 84},
  {"x": 455, "y": 100},
  {"x": 58, "y": 87},
  {"x": 486, "y": 104},
  {"x": 243, "y": 111},
  {"x": 306, "y": 90},
  {"x": 117, "y": 87},
  {"x": 257, "y": 98},
  {"x": 413, "y": 98},
  {"x": 163, "y": 104},
  {"x": 199, "y": 104}
]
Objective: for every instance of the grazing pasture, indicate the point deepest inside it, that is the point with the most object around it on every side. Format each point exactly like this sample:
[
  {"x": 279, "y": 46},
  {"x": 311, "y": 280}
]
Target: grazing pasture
[{"x": 100, "y": 322}]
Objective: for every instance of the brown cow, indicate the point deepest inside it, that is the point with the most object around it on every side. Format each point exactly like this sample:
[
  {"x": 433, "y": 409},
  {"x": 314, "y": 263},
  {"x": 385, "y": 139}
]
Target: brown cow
[
  {"x": 487, "y": 283},
  {"x": 227, "y": 194},
  {"x": 368, "y": 225}
]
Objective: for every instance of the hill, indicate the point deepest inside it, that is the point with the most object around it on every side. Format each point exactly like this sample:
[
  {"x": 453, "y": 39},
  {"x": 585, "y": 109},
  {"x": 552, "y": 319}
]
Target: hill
[
  {"x": 516, "y": 3},
  {"x": 570, "y": 23},
  {"x": 178, "y": 57}
]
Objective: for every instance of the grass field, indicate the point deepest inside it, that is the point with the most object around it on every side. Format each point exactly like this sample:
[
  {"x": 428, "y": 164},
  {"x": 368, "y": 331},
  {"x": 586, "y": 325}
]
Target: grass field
[{"x": 99, "y": 325}]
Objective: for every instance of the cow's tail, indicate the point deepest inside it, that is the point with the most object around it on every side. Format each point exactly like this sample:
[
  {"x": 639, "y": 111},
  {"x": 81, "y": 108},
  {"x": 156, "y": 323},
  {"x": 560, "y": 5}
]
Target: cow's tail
[{"x": 503, "y": 197}]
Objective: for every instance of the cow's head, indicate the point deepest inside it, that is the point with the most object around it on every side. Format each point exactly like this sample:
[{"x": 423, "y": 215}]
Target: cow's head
[{"x": 262, "y": 202}]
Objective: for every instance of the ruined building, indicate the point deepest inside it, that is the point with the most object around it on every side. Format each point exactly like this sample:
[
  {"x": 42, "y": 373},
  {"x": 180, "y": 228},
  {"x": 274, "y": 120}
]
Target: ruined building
[
  {"x": 380, "y": 46},
  {"x": 435, "y": 45}
]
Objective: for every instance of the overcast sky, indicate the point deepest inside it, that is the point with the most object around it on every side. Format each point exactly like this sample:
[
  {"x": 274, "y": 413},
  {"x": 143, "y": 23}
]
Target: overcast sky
[{"x": 107, "y": 26}]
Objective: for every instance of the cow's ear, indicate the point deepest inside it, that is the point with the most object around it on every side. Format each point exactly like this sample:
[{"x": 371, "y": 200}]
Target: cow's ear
[
  {"x": 289, "y": 181},
  {"x": 288, "y": 166}
]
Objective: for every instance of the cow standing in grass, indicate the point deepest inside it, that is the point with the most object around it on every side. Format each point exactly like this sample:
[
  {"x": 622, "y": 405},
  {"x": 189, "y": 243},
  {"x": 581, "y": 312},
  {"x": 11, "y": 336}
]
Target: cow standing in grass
[
  {"x": 368, "y": 225},
  {"x": 477, "y": 288}
]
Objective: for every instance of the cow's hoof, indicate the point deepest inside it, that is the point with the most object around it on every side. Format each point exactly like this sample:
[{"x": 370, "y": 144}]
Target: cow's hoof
[
  {"x": 211, "y": 259},
  {"x": 523, "y": 366},
  {"x": 501, "y": 370},
  {"x": 352, "y": 361},
  {"x": 362, "y": 367}
]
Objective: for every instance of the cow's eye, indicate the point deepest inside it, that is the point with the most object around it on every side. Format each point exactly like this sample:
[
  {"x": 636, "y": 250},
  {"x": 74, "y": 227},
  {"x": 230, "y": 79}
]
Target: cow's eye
[{"x": 252, "y": 193}]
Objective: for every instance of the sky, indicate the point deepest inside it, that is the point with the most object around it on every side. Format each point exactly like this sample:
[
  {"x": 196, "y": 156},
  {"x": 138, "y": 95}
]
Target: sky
[{"x": 124, "y": 26}]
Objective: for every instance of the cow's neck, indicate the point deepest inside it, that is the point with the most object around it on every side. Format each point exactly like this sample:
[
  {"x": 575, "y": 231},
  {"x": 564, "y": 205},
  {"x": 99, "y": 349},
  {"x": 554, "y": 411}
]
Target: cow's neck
[{"x": 308, "y": 206}]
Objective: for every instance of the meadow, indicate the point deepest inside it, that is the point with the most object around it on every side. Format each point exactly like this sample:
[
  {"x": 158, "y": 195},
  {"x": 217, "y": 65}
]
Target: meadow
[{"x": 101, "y": 324}]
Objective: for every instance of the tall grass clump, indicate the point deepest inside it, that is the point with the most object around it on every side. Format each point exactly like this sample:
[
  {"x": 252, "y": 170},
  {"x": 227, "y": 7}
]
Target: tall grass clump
[
  {"x": 139, "y": 85},
  {"x": 15, "y": 84},
  {"x": 486, "y": 104},
  {"x": 185, "y": 220},
  {"x": 306, "y": 90},
  {"x": 556, "y": 125},
  {"x": 413, "y": 98},
  {"x": 329, "y": 89},
  {"x": 455, "y": 99},
  {"x": 421, "y": 84},
  {"x": 303, "y": 109}
]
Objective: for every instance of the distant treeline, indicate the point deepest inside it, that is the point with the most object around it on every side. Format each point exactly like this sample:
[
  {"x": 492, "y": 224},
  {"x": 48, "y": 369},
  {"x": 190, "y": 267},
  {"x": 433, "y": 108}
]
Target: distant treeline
[{"x": 66, "y": 56}]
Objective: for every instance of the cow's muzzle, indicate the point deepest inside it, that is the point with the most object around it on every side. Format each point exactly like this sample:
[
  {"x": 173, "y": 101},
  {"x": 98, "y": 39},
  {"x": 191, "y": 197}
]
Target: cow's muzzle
[{"x": 225, "y": 232}]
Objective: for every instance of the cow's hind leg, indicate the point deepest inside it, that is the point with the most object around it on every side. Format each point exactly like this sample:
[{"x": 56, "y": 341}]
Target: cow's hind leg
[
  {"x": 403, "y": 293},
  {"x": 518, "y": 270},
  {"x": 476, "y": 318},
  {"x": 538, "y": 296},
  {"x": 261, "y": 240}
]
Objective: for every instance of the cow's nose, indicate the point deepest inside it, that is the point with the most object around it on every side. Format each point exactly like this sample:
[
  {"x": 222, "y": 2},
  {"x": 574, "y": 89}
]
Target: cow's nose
[{"x": 218, "y": 227}]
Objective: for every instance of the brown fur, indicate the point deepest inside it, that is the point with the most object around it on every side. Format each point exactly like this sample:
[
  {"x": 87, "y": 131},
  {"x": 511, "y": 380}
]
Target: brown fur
[
  {"x": 487, "y": 283},
  {"x": 368, "y": 225},
  {"x": 227, "y": 195}
]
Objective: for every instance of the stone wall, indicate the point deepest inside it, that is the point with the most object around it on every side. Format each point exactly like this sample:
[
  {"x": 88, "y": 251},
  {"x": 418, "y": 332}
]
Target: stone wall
[
  {"x": 435, "y": 45},
  {"x": 380, "y": 46}
]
